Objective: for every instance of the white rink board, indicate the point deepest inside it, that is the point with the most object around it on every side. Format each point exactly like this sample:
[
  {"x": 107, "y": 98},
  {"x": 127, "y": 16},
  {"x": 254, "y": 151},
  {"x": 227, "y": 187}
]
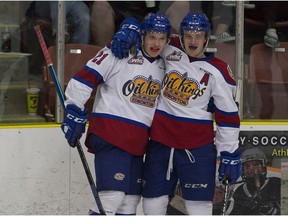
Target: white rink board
[{"x": 41, "y": 174}]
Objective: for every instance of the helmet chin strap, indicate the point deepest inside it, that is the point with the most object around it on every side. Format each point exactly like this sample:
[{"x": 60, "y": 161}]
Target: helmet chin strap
[
  {"x": 142, "y": 44},
  {"x": 205, "y": 47},
  {"x": 207, "y": 41}
]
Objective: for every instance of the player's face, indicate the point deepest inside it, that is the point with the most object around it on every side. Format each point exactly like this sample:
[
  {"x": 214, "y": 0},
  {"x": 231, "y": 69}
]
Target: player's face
[
  {"x": 154, "y": 43},
  {"x": 251, "y": 168},
  {"x": 194, "y": 42}
]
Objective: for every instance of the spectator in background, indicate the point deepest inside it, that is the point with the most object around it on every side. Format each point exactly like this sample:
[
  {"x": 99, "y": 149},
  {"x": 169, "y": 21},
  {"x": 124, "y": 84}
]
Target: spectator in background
[
  {"x": 77, "y": 16},
  {"x": 222, "y": 19},
  {"x": 266, "y": 14},
  {"x": 106, "y": 16},
  {"x": 225, "y": 29},
  {"x": 111, "y": 13},
  {"x": 270, "y": 9},
  {"x": 175, "y": 12}
]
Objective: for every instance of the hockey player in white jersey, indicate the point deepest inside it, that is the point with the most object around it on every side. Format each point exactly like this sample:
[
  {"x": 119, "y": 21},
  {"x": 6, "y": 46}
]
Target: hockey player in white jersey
[
  {"x": 197, "y": 89},
  {"x": 125, "y": 102}
]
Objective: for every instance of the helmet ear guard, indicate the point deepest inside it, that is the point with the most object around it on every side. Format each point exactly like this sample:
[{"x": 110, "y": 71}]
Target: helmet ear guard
[{"x": 157, "y": 23}]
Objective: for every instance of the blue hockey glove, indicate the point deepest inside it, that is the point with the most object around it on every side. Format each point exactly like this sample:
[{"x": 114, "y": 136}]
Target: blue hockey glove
[
  {"x": 127, "y": 37},
  {"x": 74, "y": 123},
  {"x": 230, "y": 165}
]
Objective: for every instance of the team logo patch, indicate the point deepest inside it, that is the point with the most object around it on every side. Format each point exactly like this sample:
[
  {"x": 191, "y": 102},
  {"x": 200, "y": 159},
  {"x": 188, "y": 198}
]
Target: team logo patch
[
  {"x": 136, "y": 60},
  {"x": 119, "y": 176},
  {"x": 175, "y": 56},
  {"x": 143, "y": 91},
  {"x": 180, "y": 88}
]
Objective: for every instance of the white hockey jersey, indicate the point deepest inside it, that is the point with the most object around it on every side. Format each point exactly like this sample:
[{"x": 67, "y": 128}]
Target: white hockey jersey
[
  {"x": 191, "y": 89},
  {"x": 125, "y": 100}
]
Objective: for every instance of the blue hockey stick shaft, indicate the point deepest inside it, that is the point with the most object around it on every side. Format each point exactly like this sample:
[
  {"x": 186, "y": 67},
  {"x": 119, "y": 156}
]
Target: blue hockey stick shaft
[{"x": 62, "y": 99}]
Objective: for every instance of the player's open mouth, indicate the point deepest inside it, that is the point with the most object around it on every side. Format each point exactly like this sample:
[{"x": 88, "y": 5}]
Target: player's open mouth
[
  {"x": 193, "y": 47},
  {"x": 154, "y": 49}
]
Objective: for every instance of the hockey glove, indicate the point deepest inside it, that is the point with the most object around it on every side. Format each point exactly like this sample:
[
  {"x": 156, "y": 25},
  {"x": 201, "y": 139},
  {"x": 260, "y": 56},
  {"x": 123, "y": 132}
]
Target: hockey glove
[
  {"x": 127, "y": 37},
  {"x": 230, "y": 165},
  {"x": 74, "y": 123},
  {"x": 269, "y": 208}
]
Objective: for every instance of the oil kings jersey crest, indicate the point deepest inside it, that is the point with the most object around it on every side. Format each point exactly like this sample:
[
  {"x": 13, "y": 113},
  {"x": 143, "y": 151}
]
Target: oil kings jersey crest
[
  {"x": 144, "y": 90},
  {"x": 180, "y": 88}
]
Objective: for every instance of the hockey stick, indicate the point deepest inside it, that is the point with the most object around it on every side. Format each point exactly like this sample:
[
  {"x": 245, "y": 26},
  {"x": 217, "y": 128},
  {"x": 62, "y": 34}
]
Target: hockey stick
[
  {"x": 62, "y": 99},
  {"x": 225, "y": 200}
]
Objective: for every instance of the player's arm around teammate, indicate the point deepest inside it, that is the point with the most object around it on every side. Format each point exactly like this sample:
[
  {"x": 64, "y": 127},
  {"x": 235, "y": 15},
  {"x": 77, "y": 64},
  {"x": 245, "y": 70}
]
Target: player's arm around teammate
[{"x": 197, "y": 89}]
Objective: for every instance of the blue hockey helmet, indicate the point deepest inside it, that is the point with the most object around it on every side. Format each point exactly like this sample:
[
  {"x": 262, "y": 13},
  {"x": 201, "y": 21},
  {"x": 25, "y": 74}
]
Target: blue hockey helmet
[
  {"x": 197, "y": 22},
  {"x": 157, "y": 23}
]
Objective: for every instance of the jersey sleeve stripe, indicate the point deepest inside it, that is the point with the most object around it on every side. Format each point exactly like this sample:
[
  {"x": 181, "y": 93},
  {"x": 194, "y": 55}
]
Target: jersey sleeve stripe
[
  {"x": 90, "y": 77},
  {"x": 227, "y": 119},
  {"x": 227, "y": 125},
  {"x": 226, "y": 113},
  {"x": 94, "y": 72},
  {"x": 223, "y": 69},
  {"x": 83, "y": 82}
]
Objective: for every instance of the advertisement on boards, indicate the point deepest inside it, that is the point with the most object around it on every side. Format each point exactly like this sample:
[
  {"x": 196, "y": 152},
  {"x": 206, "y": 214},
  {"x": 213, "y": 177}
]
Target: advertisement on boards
[{"x": 263, "y": 186}]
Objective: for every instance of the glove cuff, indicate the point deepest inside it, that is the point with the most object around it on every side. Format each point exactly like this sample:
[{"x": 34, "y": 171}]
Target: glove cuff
[
  {"x": 131, "y": 23},
  {"x": 235, "y": 154},
  {"x": 77, "y": 110}
]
